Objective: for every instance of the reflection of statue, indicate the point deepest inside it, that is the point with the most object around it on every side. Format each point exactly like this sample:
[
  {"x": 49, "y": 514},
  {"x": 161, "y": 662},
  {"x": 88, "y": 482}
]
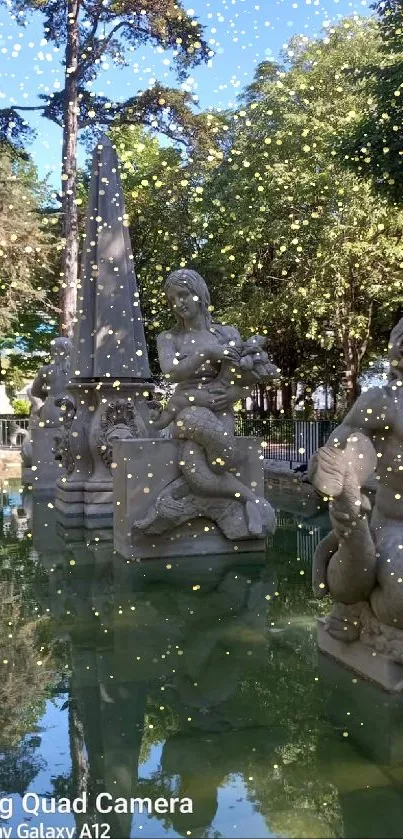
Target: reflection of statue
[
  {"x": 51, "y": 381},
  {"x": 361, "y": 564},
  {"x": 213, "y": 369}
]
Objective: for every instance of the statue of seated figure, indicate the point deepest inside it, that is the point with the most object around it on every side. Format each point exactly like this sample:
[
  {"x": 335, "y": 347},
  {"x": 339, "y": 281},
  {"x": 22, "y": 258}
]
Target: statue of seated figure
[
  {"x": 212, "y": 368},
  {"x": 360, "y": 563},
  {"x": 51, "y": 381}
]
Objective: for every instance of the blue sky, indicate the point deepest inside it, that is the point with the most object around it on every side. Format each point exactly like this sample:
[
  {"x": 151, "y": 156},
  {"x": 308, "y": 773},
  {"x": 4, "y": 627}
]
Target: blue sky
[{"x": 241, "y": 32}]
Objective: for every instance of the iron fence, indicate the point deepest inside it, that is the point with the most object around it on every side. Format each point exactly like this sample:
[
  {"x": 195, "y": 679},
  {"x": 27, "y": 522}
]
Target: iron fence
[
  {"x": 12, "y": 430},
  {"x": 285, "y": 439}
]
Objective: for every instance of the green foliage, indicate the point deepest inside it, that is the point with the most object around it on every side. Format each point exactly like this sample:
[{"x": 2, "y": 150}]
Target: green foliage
[
  {"x": 25, "y": 641},
  {"x": 373, "y": 147},
  {"x": 21, "y": 406},
  {"x": 297, "y": 246},
  {"x": 27, "y": 248}
]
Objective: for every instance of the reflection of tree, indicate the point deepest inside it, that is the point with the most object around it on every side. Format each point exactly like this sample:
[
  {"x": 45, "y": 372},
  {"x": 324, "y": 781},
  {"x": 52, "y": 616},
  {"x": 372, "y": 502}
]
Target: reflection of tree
[
  {"x": 221, "y": 676},
  {"x": 25, "y": 684},
  {"x": 26, "y": 662},
  {"x": 290, "y": 790},
  {"x": 157, "y": 726},
  {"x": 19, "y": 766},
  {"x": 267, "y": 729}
]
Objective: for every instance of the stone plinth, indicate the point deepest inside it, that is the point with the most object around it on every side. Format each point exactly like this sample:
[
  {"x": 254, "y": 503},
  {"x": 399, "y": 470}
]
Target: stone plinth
[
  {"x": 143, "y": 469},
  {"x": 85, "y": 494},
  {"x": 45, "y": 469},
  {"x": 372, "y": 718},
  {"x": 362, "y": 659}
]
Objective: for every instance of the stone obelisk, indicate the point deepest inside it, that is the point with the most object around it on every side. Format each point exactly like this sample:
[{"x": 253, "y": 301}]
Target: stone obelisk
[{"x": 110, "y": 374}]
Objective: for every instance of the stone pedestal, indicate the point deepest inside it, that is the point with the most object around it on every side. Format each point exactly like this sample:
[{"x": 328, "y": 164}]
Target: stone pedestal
[
  {"x": 143, "y": 468},
  {"x": 363, "y": 660},
  {"x": 84, "y": 495},
  {"x": 372, "y": 718},
  {"x": 45, "y": 469}
]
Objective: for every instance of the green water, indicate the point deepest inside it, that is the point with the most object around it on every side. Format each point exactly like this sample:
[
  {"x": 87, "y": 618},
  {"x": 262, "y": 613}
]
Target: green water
[{"x": 183, "y": 679}]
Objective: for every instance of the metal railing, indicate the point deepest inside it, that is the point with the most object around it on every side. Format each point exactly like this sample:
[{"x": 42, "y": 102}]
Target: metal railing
[
  {"x": 12, "y": 430},
  {"x": 285, "y": 439}
]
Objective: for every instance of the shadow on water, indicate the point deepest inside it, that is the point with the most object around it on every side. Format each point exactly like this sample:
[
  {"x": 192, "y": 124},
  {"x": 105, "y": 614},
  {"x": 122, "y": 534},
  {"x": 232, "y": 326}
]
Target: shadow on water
[{"x": 184, "y": 679}]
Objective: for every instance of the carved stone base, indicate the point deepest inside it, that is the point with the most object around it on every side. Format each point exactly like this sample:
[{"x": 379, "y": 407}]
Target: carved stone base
[
  {"x": 144, "y": 469},
  {"x": 85, "y": 504},
  {"x": 362, "y": 659},
  {"x": 100, "y": 414},
  {"x": 45, "y": 469}
]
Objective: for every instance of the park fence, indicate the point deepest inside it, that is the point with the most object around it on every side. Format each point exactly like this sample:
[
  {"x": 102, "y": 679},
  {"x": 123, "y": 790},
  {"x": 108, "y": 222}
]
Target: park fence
[
  {"x": 12, "y": 430},
  {"x": 283, "y": 439}
]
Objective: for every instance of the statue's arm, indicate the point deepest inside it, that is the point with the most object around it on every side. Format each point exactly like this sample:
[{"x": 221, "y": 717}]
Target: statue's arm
[
  {"x": 322, "y": 556},
  {"x": 174, "y": 366},
  {"x": 38, "y": 387},
  {"x": 370, "y": 414}
]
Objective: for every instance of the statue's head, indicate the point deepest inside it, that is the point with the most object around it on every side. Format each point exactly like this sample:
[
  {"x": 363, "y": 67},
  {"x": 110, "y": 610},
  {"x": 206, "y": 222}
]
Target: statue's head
[
  {"x": 187, "y": 294},
  {"x": 61, "y": 350},
  {"x": 61, "y": 347}
]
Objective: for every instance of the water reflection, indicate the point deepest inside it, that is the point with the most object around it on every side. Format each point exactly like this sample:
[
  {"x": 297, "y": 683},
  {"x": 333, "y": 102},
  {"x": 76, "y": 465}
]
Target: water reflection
[{"x": 182, "y": 678}]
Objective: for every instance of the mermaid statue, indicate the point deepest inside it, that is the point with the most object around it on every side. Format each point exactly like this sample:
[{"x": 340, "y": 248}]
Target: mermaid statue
[
  {"x": 360, "y": 562},
  {"x": 212, "y": 368}
]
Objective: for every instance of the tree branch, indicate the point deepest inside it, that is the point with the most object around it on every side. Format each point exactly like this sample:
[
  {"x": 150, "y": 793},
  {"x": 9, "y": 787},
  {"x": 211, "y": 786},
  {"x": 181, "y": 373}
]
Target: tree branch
[{"x": 27, "y": 107}]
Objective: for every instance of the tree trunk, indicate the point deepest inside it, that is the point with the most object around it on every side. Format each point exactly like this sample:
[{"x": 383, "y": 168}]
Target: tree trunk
[
  {"x": 351, "y": 386},
  {"x": 335, "y": 385},
  {"x": 271, "y": 400},
  {"x": 286, "y": 399},
  {"x": 68, "y": 291}
]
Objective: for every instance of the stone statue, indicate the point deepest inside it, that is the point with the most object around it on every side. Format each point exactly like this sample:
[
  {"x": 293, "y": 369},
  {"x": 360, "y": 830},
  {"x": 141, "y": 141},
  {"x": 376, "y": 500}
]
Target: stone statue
[
  {"x": 213, "y": 368},
  {"x": 34, "y": 418},
  {"x": 360, "y": 563},
  {"x": 51, "y": 381}
]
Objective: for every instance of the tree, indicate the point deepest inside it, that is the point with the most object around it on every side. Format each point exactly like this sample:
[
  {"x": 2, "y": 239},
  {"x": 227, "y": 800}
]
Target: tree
[
  {"x": 373, "y": 146},
  {"x": 27, "y": 251},
  {"x": 299, "y": 247},
  {"x": 91, "y": 31}
]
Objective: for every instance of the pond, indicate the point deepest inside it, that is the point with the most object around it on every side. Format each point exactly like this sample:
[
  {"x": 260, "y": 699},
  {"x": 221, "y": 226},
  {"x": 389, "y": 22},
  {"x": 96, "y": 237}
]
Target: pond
[{"x": 177, "y": 681}]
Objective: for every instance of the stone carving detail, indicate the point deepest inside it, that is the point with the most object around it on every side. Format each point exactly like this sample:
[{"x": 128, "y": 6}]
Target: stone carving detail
[
  {"x": 360, "y": 562},
  {"x": 120, "y": 421},
  {"x": 26, "y": 448},
  {"x": 51, "y": 382},
  {"x": 48, "y": 387},
  {"x": 213, "y": 368},
  {"x": 62, "y": 448}
]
